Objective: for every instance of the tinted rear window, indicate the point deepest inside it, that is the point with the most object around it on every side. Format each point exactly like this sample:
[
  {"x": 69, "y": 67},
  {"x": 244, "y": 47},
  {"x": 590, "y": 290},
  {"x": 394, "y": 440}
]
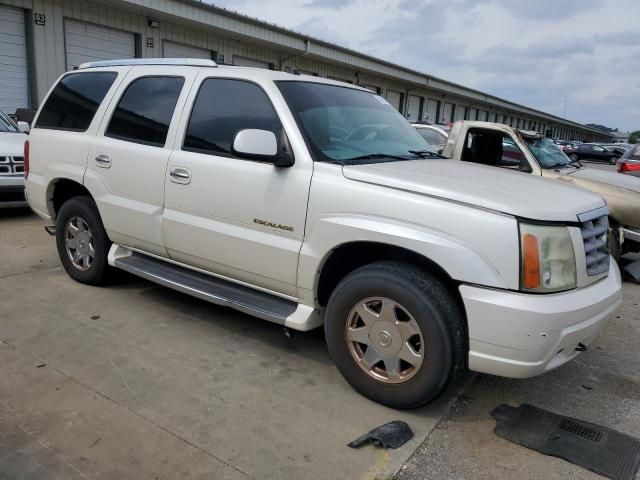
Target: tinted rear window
[
  {"x": 144, "y": 112},
  {"x": 75, "y": 100}
]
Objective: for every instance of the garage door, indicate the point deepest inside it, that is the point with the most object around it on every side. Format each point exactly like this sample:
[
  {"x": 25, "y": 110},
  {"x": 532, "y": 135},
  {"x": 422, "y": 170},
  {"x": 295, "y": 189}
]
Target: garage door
[
  {"x": 447, "y": 113},
  {"x": 178, "y": 50},
  {"x": 14, "y": 83},
  {"x": 249, "y": 62},
  {"x": 484, "y": 116},
  {"x": 460, "y": 112},
  {"x": 394, "y": 98},
  {"x": 85, "y": 42},
  {"x": 432, "y": 111},
  {"x": 413, "y": 108}
]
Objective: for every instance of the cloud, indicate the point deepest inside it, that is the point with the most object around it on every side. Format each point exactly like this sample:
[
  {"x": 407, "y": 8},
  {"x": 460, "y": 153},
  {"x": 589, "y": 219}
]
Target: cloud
[
  {"x": 327, "y": 3},
  {"x": 549, "y": 9},
  {"x": 534, "y": 52}
]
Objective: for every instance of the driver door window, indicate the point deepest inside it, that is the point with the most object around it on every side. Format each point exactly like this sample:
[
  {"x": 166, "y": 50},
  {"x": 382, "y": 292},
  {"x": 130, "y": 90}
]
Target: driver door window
[{"x": 491, "y": 148}]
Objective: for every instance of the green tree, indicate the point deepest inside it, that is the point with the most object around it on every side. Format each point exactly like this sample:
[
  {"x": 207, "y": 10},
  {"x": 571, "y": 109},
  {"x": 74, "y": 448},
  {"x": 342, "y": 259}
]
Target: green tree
[{"x": 634, "y": 136}]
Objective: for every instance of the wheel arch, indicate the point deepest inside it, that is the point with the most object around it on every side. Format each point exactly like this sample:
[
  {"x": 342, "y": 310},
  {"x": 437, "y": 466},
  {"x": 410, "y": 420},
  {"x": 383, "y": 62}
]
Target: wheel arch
[
  {"x": 62, "y": 189},
  {"x": 349, "y": 256}
]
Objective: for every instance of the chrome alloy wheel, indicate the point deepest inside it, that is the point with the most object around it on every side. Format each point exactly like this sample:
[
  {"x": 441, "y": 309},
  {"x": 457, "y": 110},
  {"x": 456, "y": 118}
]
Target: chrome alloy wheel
[
  {"x": 79, "y": 243},
  {"x": 384, "y": 340}
]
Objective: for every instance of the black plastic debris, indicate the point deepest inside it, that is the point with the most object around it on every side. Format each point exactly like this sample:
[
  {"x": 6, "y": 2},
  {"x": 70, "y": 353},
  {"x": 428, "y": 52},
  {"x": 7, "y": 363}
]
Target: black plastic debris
[
  {"x": 600, "y": 449},
  {"x": 633, "y": 271},
  {"x": 390, "y": 435}
]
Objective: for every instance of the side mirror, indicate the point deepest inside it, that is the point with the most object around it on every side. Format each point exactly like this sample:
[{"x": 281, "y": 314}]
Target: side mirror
[
  {"x": 24, "y": 127},
  {"x": 260, "y": 145}
]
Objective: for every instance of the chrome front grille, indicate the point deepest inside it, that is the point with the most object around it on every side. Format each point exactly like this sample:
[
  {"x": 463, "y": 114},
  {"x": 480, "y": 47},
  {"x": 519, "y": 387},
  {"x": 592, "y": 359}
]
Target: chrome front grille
[
  {"x": 11, "y": 165},
  {"x": 594, "y": 235}
]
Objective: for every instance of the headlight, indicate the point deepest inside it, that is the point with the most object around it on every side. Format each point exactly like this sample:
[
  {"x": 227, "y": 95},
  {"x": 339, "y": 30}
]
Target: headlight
[{"x": 547, "y": 258}]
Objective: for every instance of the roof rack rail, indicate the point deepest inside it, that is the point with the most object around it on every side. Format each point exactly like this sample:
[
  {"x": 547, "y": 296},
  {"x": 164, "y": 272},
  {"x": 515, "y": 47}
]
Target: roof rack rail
[{"x": 194, "y": 62}]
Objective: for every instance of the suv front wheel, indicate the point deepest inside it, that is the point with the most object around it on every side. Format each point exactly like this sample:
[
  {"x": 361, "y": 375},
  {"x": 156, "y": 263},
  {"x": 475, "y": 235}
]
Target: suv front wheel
[
  {"x": 395, "y": 334},
  {"x": 82, "y": 242}
]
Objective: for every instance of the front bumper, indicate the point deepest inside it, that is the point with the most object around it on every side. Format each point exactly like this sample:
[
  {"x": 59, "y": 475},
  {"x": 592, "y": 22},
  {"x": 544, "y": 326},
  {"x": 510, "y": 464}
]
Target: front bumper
[
  {"x": 522, "y": 335},
  {"x": 12, "y": 191}
]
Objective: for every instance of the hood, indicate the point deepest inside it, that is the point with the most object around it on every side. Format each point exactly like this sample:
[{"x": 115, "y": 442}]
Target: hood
[
  {"x": 614, "y": 179},
  {"x": 513, "y": 193},
  {"x": 12, "y": 144}
]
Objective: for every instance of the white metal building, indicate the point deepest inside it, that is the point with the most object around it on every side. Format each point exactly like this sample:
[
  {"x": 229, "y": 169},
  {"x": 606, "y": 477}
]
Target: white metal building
[{"x": 40, "y": 39}]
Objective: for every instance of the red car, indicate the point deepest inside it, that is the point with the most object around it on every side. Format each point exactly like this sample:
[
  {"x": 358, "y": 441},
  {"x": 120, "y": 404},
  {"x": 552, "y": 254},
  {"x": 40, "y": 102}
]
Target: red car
[{"x": 629, "y": 163}]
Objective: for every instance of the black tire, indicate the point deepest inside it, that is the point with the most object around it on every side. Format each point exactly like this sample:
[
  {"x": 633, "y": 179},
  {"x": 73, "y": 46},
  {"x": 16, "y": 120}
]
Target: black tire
[
  {"x": 613, "y": 241},
  {"x": 438, "y": 315},
  {"x": 613, "y": 160},
  {"x": 85, "y": 208},
  {"x": 574, "y": 157}
]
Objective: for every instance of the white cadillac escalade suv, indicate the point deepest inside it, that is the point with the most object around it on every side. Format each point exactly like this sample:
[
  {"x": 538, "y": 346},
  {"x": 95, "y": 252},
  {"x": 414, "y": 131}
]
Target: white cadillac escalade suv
[{"x": 310, "y": 202}]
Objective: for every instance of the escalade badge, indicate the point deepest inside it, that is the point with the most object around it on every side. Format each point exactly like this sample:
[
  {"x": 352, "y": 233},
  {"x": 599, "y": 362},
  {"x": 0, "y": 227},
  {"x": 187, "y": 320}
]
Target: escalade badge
[{"x": 286, "y": 228}]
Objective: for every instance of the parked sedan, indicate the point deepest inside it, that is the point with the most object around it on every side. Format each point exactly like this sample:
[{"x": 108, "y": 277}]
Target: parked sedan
[
  {"x": 630, "y": 162},
  {"x": 592, "y": 151}
]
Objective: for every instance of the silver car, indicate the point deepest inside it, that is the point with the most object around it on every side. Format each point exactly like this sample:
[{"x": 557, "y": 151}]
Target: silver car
[{"x": 11, "y": 163}]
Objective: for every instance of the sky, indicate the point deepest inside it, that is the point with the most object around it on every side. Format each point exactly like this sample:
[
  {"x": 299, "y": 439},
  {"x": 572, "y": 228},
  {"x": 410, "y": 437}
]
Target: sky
[{"x": 540, "y": 53}]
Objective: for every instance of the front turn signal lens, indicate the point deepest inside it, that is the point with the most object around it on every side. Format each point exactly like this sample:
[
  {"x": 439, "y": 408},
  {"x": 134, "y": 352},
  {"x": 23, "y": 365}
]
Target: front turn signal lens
[{"x": 531, "y": 262}]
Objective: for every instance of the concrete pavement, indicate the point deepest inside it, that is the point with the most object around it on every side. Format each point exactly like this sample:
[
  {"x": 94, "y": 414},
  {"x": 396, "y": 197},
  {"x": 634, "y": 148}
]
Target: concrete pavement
[
  {"x": 138, "y": 381},
  {"x": 601, "y": 386}
]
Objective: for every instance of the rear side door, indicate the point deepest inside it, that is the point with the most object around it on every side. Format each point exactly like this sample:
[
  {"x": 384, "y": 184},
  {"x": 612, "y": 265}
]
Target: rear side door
[
  {"x": 229, "y": 215},
  {"x": 128, "y": 158}
]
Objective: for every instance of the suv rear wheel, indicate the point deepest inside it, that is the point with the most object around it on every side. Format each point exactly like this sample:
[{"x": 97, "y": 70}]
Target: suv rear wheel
[
  {"x": 82, "y": 242},
  {"x": 395, "y": 334}
]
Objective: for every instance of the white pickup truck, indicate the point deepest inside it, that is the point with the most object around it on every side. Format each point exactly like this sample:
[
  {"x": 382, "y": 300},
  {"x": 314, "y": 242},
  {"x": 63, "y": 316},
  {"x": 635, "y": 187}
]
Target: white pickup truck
[
  {"x": 501, "y": 146},
  {"x": 310, "y": 202}
]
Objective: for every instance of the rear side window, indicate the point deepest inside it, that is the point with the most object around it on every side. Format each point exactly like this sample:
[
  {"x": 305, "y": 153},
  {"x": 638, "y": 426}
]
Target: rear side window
[
  {"x": 222, "y": 108},
  {"x": 144, "y": 112},
  {"x": 75, "y": 100}
]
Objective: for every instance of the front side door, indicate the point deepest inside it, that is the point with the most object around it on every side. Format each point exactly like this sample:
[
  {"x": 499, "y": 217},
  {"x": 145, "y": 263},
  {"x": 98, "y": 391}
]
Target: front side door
[
  {"x": 232, "y": 216},
  {"x": 600, "y": 153},
  {"x": 128, "y": 158}
]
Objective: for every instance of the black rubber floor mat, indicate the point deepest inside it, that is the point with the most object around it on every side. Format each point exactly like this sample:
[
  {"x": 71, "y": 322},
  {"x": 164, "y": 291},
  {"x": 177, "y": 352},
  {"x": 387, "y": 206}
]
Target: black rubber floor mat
[{"x": 600, "y": 449}]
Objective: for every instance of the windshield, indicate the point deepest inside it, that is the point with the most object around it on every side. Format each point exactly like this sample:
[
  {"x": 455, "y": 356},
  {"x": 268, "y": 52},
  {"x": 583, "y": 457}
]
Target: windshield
[
  {"x": 342, "y": 124},
  {"x": 548, "y": 154},
  {"x": 6, "y": 124}
]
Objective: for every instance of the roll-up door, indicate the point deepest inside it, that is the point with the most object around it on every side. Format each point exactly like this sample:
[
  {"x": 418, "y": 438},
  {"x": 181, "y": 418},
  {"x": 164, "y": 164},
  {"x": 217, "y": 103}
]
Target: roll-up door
[
  {"x": 432, "y": 111},
  {"x": 86, "y": 42},
  {"x": 413, "y": 108},
  {"x": 249, "y": 62},
  {"x": 473, "y": 114},
  {"x": 394, "y": 98},
  {"x": 447, "y": 113},
  {"x": 14, "y": 82},
  {"x": 484, "y": 116},
  {"x": 460, "y": 112},
  {"x": 178, "y": 50}
]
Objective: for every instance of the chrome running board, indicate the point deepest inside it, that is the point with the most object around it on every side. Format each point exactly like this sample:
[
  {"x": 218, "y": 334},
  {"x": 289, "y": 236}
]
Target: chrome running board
[{"x": 206, "y": 287}]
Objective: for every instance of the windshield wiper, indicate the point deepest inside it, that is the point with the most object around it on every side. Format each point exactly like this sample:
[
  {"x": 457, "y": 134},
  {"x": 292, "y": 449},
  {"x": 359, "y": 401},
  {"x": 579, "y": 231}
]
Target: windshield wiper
[
  {"x": 557, "y": 165},
  {"x": 376, "y": 156},
  {"x": 426, "y": 153},
  {"x": 576, "y": 163}
]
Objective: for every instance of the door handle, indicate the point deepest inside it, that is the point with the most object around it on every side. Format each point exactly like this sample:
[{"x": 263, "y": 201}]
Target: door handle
[
  {"x": 180, "y": 175},
  {"x": 103, "y": 160}
]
